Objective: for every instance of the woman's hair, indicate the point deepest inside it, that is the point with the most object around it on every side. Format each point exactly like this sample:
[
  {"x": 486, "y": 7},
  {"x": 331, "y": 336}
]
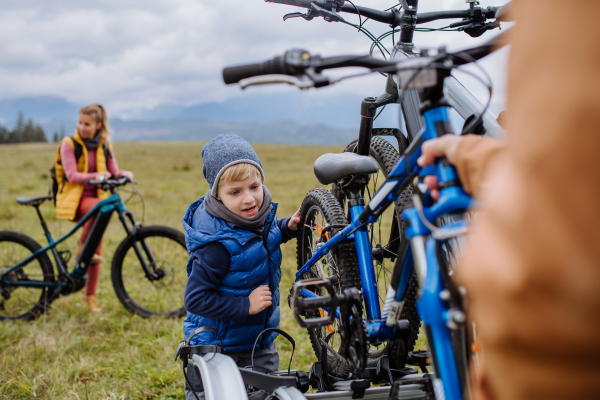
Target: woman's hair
[
  {"x": 98, "y": 111},
  {"x": 238, "y": 172}
]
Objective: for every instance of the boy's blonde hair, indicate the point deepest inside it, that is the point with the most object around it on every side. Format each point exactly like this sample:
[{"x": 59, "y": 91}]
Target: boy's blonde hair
[{"x": 238, "y": 172}]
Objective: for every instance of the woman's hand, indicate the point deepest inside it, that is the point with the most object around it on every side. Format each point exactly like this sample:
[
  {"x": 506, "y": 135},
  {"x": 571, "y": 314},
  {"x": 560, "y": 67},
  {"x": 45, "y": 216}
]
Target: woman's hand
[
  {"x": 127, "y": 174},
  {"x": 294, "y": 221},
  {"x": 436, "y": 148},
  {"x": 260, "y": 298},
  {"x": 103, "y": 175}
]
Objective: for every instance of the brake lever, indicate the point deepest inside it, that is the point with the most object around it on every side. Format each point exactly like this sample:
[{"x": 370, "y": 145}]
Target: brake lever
[
  {"x": 306, "y": 16},
  {"x": 276, "y": 78},
  {"x": 316, "y": 11}
]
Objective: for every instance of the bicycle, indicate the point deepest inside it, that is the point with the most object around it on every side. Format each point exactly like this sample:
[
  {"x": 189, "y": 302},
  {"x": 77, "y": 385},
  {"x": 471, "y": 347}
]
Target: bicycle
[
  {"x": 145, "y": 269},
  {"x": 342, "y": 246},
  {"x": 386, "y": 234}
]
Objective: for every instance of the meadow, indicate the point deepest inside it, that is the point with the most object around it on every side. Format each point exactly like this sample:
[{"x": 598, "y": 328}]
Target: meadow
[{"x": 122, "y": 355}]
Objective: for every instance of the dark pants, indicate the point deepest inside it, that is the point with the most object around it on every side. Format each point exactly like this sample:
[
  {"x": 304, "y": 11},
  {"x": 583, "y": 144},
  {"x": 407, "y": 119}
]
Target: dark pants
[{"x": 266, "y": 360}]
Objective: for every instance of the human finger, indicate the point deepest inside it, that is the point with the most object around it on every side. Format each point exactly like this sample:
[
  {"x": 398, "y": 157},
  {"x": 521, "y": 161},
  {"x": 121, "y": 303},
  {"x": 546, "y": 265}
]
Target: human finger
[
  {"x": 431, "y": 182},
  {"x": 443, "y": 146}
]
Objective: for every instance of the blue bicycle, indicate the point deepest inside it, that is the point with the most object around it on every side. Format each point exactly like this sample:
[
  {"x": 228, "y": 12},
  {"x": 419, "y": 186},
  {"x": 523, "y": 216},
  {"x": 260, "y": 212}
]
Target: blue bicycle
[{"x": 335, "y": 252}]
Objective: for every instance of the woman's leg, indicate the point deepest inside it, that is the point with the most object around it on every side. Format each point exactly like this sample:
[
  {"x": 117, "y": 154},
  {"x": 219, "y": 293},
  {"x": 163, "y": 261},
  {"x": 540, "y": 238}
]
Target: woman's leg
[{"x": 85, "y": 205}]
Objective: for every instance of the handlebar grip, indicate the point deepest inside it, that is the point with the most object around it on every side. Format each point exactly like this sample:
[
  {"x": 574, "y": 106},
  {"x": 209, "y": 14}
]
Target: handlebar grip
[
  {"x": 239, "y": 72},
  {"x": 293, "y": 62},
  {"x": 297, "y": 3}
]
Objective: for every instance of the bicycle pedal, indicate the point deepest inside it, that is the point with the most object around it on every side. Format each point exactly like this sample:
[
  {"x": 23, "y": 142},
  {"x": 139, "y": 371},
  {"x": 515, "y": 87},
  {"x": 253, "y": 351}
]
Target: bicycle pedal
[{"x": 305, "y": 301}]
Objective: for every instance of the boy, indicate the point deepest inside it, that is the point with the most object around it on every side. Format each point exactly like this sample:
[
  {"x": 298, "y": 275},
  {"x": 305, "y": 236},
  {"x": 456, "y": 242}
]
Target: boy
[{"x": 233, "y": 238}]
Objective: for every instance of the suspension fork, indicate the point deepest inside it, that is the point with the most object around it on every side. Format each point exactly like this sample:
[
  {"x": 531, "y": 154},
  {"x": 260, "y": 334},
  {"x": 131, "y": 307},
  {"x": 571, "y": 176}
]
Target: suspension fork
[{"x": 132, "y": 227}]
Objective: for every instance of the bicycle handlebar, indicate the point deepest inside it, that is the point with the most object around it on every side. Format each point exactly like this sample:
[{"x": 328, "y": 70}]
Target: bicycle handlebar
[
  {"x": 393, "y": 17},
  {"x": 299, "y": 62},
  {"x": 109, "y": 182}
]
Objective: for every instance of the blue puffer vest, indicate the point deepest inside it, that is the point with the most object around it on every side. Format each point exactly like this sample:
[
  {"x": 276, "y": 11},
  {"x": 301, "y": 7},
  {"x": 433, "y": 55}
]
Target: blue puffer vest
[{"x": 251, "y": 265}]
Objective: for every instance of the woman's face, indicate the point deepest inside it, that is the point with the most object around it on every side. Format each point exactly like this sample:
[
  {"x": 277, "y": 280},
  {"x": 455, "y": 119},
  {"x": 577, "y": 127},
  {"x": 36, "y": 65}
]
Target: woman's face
[{"x": 88, "y": 126}]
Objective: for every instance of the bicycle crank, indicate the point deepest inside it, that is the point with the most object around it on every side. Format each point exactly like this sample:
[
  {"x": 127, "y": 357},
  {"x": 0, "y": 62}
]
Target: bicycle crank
[{"x": 355, "y": 338}]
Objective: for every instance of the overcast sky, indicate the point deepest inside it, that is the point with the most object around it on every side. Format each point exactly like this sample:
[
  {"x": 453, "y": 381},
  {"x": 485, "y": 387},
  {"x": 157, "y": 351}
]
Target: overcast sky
[{"x": 137, "y": 54}]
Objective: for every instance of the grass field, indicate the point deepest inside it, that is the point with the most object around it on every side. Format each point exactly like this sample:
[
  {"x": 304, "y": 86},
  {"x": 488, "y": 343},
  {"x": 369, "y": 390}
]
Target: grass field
[{"x": 125, "y": 356}]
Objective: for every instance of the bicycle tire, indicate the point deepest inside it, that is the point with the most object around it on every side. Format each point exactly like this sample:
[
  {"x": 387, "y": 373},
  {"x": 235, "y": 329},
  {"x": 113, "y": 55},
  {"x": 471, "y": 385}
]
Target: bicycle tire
[
  {"x": 342, "y": 256},
  {"x": 24, "y": 303},
  {"x": 387, "y": 157},
  {"x": 134, "y": 290}
]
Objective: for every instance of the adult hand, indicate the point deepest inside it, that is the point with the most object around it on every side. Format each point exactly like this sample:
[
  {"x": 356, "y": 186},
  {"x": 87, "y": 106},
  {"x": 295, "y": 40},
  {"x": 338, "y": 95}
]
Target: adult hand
[
  {"x": 294, "y": 221},
  {"x": 127, "y": 174},
  {"x": 260, "y": 298},
  {"x": 436, "y": 148},
  {"x": 103, "y": 175}
]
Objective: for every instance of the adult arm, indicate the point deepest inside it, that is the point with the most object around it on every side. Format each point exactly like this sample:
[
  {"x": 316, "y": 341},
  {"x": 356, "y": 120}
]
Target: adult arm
[
  {"x": 113, "y": 167},
  {"x": 202, "y": 297},
  {"x": 69, "y": 163},
  {"x": 532, "y": 269},
  {"x": 473, "y": 156}
]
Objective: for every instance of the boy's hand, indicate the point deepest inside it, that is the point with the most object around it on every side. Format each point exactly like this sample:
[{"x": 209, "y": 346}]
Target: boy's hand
[
  {"x": 260, "y": 298},
  {"x": 294, "y": 221}
]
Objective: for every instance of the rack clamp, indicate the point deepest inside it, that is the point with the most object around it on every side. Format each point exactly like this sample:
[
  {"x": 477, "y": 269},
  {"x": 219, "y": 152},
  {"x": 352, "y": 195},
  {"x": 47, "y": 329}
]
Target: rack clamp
[
  {"x": 420, "y": 358},
  {"x": 420, "y": 385}
]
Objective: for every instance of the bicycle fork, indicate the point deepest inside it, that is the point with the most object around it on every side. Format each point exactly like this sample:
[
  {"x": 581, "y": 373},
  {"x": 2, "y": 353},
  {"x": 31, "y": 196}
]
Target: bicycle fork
[
  {"x": 152, "y": 272},
  {"x": 437, "y": 318}
]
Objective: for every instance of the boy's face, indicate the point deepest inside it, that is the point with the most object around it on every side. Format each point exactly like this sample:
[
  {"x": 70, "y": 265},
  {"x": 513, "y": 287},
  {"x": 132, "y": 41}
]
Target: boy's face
[{"x": 243, "y": 198}]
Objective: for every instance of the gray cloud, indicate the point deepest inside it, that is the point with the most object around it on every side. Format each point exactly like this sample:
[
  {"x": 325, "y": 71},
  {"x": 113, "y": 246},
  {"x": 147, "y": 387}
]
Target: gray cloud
[{"x": 135, "y": 55}]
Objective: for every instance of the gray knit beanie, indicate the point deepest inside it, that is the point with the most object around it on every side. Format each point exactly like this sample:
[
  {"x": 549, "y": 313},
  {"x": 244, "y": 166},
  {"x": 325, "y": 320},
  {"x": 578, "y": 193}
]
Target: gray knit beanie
[{"x": 221, "y": 153}]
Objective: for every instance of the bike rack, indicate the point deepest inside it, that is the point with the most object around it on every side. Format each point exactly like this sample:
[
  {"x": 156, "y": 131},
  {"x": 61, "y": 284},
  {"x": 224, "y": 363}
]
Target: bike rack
[
  {"x": 222, "y": 379},
  {"x": 220, "y": 376}
]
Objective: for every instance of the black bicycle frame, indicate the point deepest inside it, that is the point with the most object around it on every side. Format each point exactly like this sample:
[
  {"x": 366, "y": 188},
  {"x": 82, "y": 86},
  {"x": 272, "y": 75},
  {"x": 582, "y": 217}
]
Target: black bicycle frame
[
  {"x": 456, "y": 94},
  {"x": 103, "y": 212}
]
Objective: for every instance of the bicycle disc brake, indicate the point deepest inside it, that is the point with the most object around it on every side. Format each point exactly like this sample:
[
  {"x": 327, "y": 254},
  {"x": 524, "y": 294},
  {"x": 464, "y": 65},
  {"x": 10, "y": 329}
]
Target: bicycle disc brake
[{"x": 355, "y": 338}]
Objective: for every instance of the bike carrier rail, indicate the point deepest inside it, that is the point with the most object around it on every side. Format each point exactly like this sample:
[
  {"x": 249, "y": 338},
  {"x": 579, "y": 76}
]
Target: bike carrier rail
[{"x": 223, "y": 379}]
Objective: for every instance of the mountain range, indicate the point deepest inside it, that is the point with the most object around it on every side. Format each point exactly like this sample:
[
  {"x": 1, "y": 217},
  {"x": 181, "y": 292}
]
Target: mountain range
[{"x": 287, "y": 118}]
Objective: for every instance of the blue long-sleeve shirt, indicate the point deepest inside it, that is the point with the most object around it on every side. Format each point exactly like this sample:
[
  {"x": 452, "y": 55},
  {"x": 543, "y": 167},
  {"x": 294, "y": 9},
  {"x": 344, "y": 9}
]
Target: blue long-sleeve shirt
[{"x": 210, "y": 265}]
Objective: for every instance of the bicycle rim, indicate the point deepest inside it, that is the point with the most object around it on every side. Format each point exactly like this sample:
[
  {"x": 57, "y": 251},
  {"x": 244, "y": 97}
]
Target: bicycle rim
[
  {"x": 167, "y": 256},
  {"x": 22, "y": 302}
]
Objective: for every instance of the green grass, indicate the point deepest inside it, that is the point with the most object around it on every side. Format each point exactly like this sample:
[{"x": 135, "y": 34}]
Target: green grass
[{"x": 125, "y": 356}]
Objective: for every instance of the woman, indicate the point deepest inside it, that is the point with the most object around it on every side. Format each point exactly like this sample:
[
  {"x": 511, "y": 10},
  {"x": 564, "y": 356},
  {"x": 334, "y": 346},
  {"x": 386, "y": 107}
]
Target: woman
[{"x": 85, "y": 156}]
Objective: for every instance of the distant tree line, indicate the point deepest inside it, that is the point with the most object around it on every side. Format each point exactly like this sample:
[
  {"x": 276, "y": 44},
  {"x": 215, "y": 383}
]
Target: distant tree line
[{"x": 24, "y": 131}]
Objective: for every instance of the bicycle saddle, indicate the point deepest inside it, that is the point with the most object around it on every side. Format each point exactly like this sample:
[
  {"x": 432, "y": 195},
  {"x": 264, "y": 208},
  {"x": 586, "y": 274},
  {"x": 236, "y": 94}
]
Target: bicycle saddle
[
  {"x": 33, "y": 201},
  {"x": 332, "y": 167}
]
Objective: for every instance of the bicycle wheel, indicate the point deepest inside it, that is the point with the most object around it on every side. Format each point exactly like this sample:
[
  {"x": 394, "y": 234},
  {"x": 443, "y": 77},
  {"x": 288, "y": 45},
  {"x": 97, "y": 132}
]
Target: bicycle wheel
[
  {"x": 23, "y": 302},
  {"x": 318, "y": 209},
  {"x": 163, "y": 249},
  {"x": 385, "y": 236}
]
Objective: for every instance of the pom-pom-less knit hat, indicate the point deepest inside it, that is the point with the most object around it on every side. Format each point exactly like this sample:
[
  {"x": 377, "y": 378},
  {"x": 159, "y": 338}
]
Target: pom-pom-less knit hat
[{"x": 221, "y": 153}]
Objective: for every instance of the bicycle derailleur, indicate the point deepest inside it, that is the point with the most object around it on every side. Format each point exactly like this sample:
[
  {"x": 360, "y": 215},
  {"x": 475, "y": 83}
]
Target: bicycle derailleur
[{"x": 346, "y": 307}]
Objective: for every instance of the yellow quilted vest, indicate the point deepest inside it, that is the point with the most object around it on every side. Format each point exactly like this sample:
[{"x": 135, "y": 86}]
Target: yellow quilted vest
[{"x": 69, "y": 194}]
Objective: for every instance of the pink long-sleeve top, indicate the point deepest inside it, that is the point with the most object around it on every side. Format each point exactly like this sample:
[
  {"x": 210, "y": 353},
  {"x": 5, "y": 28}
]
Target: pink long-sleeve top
[{"x": 69, "y": 163}]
